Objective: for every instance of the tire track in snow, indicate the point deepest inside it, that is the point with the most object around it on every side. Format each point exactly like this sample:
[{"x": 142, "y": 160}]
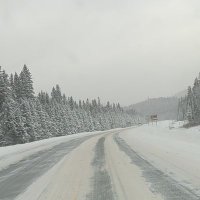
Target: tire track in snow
[
  {"x": 17, "y": 177},
  {"x": 101, "y": 182},
  {"x": 160, "y": 182}
]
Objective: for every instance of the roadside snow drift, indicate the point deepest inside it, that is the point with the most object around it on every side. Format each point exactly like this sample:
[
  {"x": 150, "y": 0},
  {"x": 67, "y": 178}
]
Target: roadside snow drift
[{"x": 173, "y": 150}]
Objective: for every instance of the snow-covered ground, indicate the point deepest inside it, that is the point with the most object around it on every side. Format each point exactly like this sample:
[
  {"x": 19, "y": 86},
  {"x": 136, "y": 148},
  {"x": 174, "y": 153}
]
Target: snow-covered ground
[
  {"x": 74, "y": 176},
  {"x": 12, "y": 154},
  {"x": 170, "y": 148},
  {"x": 153, "y": 162}
]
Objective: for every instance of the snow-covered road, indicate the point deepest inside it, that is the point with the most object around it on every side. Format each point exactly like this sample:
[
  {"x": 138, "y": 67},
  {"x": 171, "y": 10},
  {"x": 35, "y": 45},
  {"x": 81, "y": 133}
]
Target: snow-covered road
[{"x": 122, "y": 164}]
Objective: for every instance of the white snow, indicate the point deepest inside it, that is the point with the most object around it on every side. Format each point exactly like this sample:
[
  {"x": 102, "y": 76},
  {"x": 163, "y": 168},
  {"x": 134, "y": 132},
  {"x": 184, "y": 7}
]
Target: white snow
[
  {"x": 71, "y": 177},
  {"x": 13, "y": 154},
  {"x": 170, "y": 148},
  {"x": 175, "y": 151},
  {"x": 66, "y": 179},
  {"x": 38, "y": 187},
  {"x": 127, "y": 178}
]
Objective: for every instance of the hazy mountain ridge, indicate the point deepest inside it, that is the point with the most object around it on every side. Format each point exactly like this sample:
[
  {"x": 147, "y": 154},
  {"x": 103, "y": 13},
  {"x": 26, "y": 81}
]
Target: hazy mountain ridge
[{"x": 165, "y": 107}]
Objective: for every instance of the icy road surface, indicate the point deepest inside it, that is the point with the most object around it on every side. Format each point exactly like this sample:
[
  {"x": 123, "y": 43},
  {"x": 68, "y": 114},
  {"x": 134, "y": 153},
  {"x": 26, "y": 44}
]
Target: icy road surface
[{"x": 121, "y": 164}]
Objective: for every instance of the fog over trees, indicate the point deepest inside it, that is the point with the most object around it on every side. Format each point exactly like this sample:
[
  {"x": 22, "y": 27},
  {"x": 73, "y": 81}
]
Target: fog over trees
[{"x": 26, "y": 117}]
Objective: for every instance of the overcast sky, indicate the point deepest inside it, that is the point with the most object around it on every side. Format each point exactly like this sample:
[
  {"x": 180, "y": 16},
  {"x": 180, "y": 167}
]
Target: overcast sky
[{"x": 120, "y": 50}]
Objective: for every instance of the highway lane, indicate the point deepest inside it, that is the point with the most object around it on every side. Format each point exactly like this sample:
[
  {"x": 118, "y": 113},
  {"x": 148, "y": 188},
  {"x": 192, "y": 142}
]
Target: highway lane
[
  {"x": 17, "y": 177},
  {"x": 98, "y": 167}
]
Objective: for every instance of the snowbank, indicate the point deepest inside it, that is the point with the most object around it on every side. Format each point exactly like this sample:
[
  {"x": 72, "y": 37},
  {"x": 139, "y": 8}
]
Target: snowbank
[{"x": 174, "y": 150}]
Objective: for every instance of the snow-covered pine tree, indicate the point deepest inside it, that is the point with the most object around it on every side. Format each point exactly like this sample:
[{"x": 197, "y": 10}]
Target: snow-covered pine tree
[
  {"x": 25, "y": 118},
  {"x": 26, "y": 83},
  {"x": 17, "y": 86}
]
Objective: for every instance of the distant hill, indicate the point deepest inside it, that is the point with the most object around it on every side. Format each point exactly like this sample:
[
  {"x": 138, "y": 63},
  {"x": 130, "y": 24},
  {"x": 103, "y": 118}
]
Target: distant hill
[{"x": 165, "y": 108}]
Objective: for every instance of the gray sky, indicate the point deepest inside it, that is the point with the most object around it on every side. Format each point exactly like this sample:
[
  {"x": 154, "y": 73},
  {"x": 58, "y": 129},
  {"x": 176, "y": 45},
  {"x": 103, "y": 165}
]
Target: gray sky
[{"x": 120, "y": 50}]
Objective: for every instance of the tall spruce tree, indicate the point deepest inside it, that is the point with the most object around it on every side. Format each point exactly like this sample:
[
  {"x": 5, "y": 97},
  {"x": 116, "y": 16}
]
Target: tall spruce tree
[{"x": 26, "y": 83}]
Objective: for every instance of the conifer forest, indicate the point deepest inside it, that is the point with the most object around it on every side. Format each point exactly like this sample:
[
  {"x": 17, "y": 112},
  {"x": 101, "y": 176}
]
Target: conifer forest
[
  {"x": 189, "y": 106},
  {"x": 27, "y": 117}
]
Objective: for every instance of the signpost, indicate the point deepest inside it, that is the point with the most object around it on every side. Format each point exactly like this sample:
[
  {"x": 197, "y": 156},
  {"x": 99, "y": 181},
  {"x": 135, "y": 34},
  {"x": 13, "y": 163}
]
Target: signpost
[{"x": 152, "y": 119}]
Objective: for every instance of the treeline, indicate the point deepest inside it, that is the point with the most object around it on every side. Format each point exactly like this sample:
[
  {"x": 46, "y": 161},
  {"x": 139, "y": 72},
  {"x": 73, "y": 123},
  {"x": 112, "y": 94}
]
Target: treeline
[
  {"x": 25, "y": 117},
  {"x": 189, "y": 106}
]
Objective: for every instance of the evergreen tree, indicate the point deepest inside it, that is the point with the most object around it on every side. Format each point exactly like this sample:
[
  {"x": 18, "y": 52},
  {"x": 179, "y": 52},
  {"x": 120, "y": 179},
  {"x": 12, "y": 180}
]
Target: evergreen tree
[
  {"x": 26, "y": 118},
  {"x": 26, "y": 83},
  {"x": 17, "y": 86}
]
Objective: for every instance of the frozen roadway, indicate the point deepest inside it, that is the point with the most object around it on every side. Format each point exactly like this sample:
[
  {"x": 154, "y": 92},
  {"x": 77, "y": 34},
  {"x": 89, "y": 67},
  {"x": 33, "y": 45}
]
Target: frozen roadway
[{"x": 100, "y": 166}]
